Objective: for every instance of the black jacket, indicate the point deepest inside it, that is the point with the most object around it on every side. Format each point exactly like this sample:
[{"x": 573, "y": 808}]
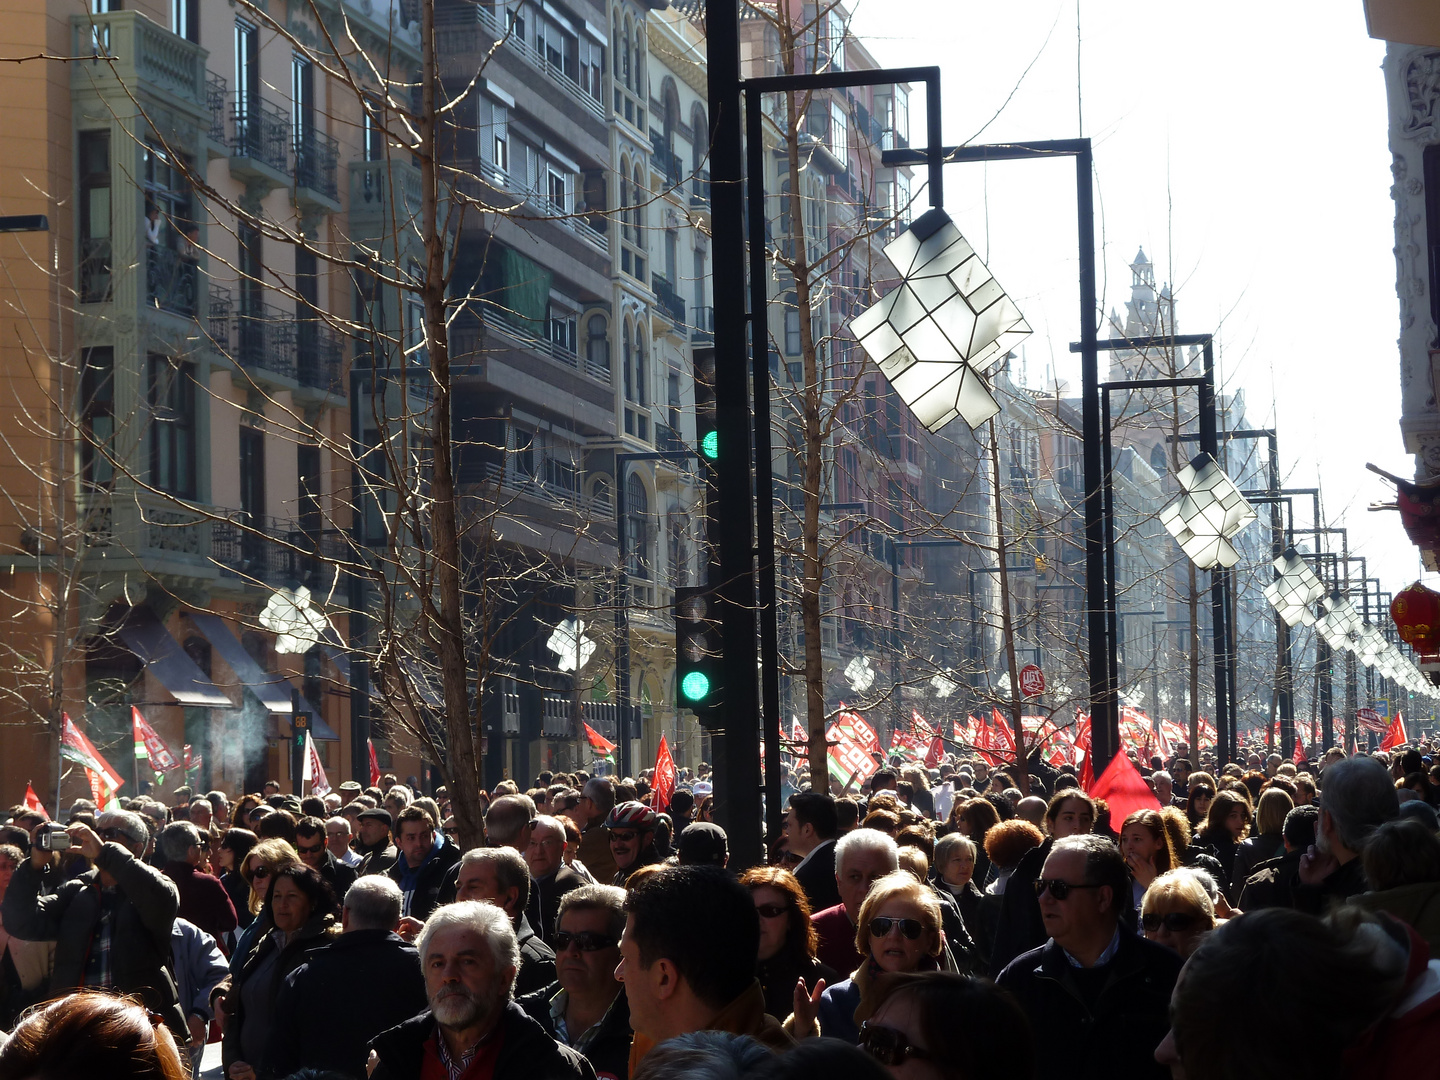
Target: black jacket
[
  {"x": 978, "y": 922},
  {"x": 537, "y": 960},
  {"x": 378, "y": 859},
  {"x": 1343, "y": 883},
  {"x": 1113, "y": 1035},
  {"x": 144, "y": 914},
  {"x": 430, "y": 880},
  {"x": 1020, "y": 927},
  {"x": 608, "y": 1049},
  {"x": 527, "y": 1053},
  {"x": 340, "y": 876},
  {"x": 957, "y": 936},
  {"x": 320, "y": 1024},
  {"x": 777, "y": 980},
  {"x": 1269, "y": 885},
  {"x": 817, "y": 878},
  {"x": 549, "y": 893}
]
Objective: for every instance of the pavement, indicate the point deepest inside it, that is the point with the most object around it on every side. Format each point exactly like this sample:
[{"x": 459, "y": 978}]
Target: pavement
[{"x": 210, "y": 1063}]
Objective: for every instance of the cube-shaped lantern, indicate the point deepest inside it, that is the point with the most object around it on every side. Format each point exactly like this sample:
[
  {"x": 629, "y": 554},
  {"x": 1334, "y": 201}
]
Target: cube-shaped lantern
[
  {"x": 1209, "y": 514},
  {"x": 935, "y": 336},
  {"x": 1294, "y": 593}
]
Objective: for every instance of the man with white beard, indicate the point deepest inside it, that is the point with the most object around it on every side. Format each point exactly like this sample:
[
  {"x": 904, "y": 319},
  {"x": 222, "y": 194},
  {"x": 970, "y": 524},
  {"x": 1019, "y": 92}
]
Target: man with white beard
[{"x": 472, "y": 1028}]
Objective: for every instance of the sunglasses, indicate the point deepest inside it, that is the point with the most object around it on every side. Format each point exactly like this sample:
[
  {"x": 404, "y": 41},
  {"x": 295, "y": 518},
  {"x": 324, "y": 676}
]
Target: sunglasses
[
  {"x": 260, "y": 872},
  {"x": 621, "y": 837},
  {"x": 113, "y": 834},
  {"x": 585, "y": 941},
  {"x": 888, "y": 1046},
  {"x": 303, "y": 850},
  {"x": 1060, "y": 890},
  {"x": 881, "y": 925},
  {"x": 1176, "y": 921},
  {"x": 771, "y": 911}
]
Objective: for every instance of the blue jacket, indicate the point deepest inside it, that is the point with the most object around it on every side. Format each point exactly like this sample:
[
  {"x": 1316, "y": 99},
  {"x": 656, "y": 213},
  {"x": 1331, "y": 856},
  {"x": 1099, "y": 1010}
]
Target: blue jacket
[
  {"x": 836, "y": 1013},
  {"x": 199, "y": 967}
]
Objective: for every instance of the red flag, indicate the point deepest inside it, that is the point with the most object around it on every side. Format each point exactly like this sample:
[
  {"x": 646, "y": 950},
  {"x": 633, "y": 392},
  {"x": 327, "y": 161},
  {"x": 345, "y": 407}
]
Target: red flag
[
  {"x": 935, "y": 753},
  {"x": 32, "y": 801},
  {"x": 1007, "y": 736},
  {"x": 149, "y": 744},
  {"x": 663, "y": 789},
  {"x": 74, "y": 746},
  {"x": 1123, "y": 788},
  {"x": 1299, "y": 750},
  {"x": 1394, "y": 734},
  {"x": 374, "y": 764},
  {"x": 598, "y": 742}
]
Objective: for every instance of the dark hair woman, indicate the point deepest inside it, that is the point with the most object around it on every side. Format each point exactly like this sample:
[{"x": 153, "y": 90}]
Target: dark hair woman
[
  {"x": 787, "y": 938},
  {"x": 1146, "y": 845},
  {"x": 1197, "y": 806},
  {"x": 952, "y": 1026},
  {"x": 1225, "y": 826},
  {"x": 298, "y": 917},
  {"x": 230, "y": 857},
  {"x": 92, "y": 1034}
]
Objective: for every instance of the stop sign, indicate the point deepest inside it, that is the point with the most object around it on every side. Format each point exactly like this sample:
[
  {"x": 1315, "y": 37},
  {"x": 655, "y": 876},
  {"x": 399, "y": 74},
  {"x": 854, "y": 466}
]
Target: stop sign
[{"x": 1032, "y": 681}]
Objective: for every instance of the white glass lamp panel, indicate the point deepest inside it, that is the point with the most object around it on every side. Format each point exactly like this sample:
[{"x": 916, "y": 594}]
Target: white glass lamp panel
[
  {"x": 929, "y": 344},
  {"x": 906, "y": 309},
  {"x": 897, "y": 363},
  {"x": 976, "y": 403},
  {"x": 872, "y": 319},
  {"x": 957, "y": 322},
  {"x": 881, "y": 343},
  {"x": 943, "y": 263},
  {"x": 932, "y": 291},
  {"x": 932, "y": 247},
  {"x": 970, "y": 276},
  {"x": 919, "y": 379},
  {"x": 933, "y": 393},
  {"x": 902, "y": 250},
  {"x": 986, "y": 295},
  {"x": 1186, "y": 477}
]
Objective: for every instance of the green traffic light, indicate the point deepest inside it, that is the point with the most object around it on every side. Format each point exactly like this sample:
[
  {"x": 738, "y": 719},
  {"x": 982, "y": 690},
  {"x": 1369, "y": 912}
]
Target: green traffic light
[
  {"x": 695, "y": 686},
  {"x": 710, "y": 445}
]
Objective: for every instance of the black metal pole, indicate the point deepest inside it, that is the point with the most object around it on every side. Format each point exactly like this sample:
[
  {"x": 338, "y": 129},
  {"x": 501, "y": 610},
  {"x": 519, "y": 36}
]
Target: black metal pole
[
  {"x": 895, "y": 714},
  {"x": 764, "y": 465},
  {"x": 622, "y": 619},
  {"x": 737, "y": 762},
  {"x": 1209, "y": 444}
]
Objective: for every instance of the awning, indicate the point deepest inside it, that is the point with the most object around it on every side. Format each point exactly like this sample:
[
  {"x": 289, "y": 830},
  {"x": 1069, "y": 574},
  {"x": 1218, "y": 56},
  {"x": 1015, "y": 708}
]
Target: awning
[
  {"x": 166, "y": 660},
  {"x": 273, "y": 691}
]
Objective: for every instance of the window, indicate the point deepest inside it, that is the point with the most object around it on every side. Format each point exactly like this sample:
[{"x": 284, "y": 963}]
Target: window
[
  {"x": 637, "y": 514},
  {"x": 560, "y": 189},
  {"x": 185, "y": 19},
  {"x": 562, "y": 329},
  {"x": 251, "y": 268},
  {"x": 97, "y": 417},
  {"x": 172, "y": 428},
  {"x": 792, "y": 332},
  {"x": 374, "y": 131},
  {"x": 247, "y": 73},
  {"x": 302, "y": 119},
  {"x": 592, "y": 67},
  {"x": 252, "y": 476},
  {"x": 95, "y": 246},
  {"x": 597, "y": 343},
  {"x": 307, "y": 468},
  {"x": 522, "y": 454},
  {"x": 495, "y": 134},
  {"x": 839, "y": 133}
]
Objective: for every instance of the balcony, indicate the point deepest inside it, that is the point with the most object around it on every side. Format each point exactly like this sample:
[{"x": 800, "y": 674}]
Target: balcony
[
  {"x": 702, "y": 325},
  {"x": 379, "y": 189},
  {"x": 664, "y": 160},
  {"x": 498, "y": 318},
  {"x": 319, "y": 355},
  {"x": 172, "y": 282},
  {"x": 316, "y": 157},
  {"x": 216, "y": 99},
  {"x": 272, "y": 551},
  {"x": 668, "y": 441},
  {"x": 455, "y": 39},
  {"x": 261, "y": 339},
  {"x": 557, "y": 488},
  {"x": 259, "y": 143},
  {"x": 669, "y": 300},
  {"x": 140, "y": 58},
  {"x": 700, "y": 190}
]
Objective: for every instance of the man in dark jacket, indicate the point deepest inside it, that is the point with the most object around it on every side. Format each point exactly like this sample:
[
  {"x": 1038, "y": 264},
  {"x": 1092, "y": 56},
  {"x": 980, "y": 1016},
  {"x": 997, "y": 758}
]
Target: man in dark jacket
[
  {"x": 469, "y": 957},
  {"x": 550, "y": 878},
  {"x": 1357, "y": 796},
  {"x": 313, "y": 846},
  {"x": 1021, "y": 927},
  {"x": 584, "y": 1008},
  {"x": 320, "y": 1021},
  {"x": 377, "y": 853},
  {"x": 111, "y": 925},
  {"x": 810, "y": 827},
  {"x": 499, "y": 876},
  {"x": 424, "y": 860},
  {"x": 1097, "y": 994},
  {"x": 203, "y": 900},
  {"x": 1270, "y": 884}
]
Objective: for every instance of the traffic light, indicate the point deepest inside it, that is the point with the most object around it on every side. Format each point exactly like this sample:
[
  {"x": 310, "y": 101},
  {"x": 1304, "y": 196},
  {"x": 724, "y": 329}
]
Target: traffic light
[
  {"x": 698, "y": 652},
  {"x": 707, "y": 438}
]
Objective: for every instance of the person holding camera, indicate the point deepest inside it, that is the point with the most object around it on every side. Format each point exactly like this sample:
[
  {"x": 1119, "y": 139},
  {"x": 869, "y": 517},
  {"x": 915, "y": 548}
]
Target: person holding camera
[{"x": 112, "y": 924}]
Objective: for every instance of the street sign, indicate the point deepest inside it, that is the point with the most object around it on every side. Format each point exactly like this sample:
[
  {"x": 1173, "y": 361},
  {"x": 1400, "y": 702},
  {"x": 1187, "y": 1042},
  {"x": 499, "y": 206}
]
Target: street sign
[{"x": 1032, "y": 681}]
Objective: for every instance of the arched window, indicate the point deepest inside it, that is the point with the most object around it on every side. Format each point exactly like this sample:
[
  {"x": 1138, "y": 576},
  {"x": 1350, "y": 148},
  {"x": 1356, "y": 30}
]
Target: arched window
[
  {"x": 627, "y": 75},
  {"x": 627, "y": 346},
  {"x": 637, "y": 514},
  {"x": 1159, "y": 461},
  {"x": 638, "y": 187},
  {"x": 597, "y": 343},
  {"x": 626, "y": 197},
  {"x": 642, "y": 370},
  {"x": 700, "y": 144}
]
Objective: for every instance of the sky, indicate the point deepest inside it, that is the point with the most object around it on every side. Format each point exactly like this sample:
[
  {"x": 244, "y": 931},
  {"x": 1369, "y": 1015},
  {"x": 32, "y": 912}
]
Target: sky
[{"x": 1243, "y": 145}]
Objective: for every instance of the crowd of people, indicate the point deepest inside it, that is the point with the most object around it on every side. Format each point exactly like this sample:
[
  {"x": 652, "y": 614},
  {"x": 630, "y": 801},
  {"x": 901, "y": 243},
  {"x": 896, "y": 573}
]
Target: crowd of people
[{"x": 960, "y": 922}]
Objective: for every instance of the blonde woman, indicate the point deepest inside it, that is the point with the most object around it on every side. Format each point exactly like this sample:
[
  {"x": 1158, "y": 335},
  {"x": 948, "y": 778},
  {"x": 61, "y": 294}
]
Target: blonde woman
[
  {"x": 1177, "y": 912},
  {"x": 898, "y": 933},
  {"x": 264, "y": 860}
]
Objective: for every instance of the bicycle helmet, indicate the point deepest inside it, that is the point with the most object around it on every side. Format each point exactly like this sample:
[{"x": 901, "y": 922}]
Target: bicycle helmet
[{"x": 631, "y": 815}]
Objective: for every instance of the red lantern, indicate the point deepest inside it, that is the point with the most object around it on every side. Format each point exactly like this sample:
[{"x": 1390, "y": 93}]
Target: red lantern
[{"x": 1416, "y": 614}]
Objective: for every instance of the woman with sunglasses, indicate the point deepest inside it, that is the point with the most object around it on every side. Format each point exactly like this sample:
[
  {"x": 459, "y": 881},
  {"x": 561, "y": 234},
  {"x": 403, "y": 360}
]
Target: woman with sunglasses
[
  {"x": 787, "y": 938},
  {"x": 1177, "y": 912},
  {"x": 298, "y": 918},
  {"x": 898, "y": 934},
  {"x": 230, "y": 855},
  {"x": 260, "y": 864},
  {"x": 939, "y": 1026}
]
